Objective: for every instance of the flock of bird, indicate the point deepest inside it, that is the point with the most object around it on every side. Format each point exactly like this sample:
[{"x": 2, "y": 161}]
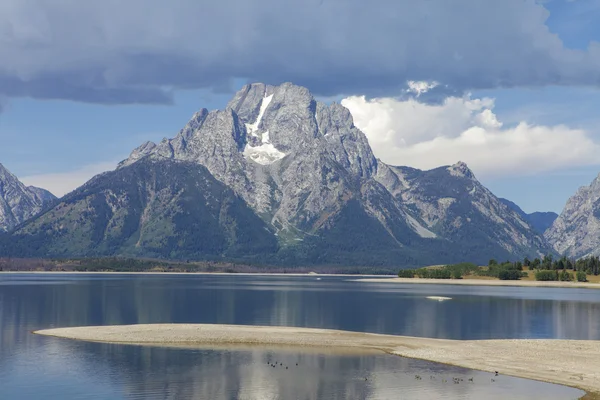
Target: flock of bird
[
  {"x": 455, "y": 380},
  {"x": 417, "y": 377},
  {"x": 278, "y": 364}
]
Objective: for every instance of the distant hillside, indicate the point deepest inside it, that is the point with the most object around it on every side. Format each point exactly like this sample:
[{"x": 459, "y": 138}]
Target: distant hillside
[
  {"x": 156, "y": 207},
  {"x": 540, "y": 221}
]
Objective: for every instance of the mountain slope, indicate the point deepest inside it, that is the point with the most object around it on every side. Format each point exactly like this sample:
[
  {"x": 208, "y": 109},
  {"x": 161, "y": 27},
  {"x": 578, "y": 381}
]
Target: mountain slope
[
  {"x": 451, "y": 203},
  {"x": 19, "y": 202},
  {"x": 311, "y": 184},
  {"x": 540, "y": 221},
  {"x": 157, "y": 208},
  {"x": 576, "y": 232}
]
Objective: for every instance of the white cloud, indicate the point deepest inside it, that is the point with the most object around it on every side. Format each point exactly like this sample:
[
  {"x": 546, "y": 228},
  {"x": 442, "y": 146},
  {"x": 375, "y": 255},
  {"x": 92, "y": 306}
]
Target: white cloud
[
  {"x": 408, "y": 132},
  {"x": 420, "y": 87},
  {"x": 61, "y": 183}
]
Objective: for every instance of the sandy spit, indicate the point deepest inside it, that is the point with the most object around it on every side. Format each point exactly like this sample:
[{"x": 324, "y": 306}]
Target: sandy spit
[
  {"x": 483, "y": 282},
  {"x": 573, "y": 363}
]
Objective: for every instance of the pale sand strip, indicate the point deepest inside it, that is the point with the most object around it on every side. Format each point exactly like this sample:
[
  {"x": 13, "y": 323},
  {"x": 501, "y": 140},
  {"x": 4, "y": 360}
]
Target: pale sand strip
[
  {"x": 483, "y": 282},
  {"x": 569, "y": 362}
]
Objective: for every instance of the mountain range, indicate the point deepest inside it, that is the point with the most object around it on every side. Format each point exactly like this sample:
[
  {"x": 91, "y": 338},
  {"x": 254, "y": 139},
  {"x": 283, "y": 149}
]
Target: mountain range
[{"x": 279, "y": 178}]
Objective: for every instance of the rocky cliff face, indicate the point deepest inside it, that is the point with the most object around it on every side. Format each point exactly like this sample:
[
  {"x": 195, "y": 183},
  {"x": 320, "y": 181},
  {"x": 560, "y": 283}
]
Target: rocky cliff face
[
  {"x": 449, "y": 202},
  {"x": 576, "y": 232},
  {"x": 19, "y": 202},
  {"x": 310, "y": 176}
]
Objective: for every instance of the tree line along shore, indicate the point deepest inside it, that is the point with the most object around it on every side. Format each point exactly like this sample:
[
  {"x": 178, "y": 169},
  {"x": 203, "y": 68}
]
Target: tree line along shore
[
  {"x": 133, "y": 265},
  {"x": 547, "y": 268}
]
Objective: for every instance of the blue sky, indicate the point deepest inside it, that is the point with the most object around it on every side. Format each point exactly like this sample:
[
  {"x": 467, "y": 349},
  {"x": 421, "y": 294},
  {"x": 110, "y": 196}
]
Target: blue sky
[{"x": 79, "y": 89}]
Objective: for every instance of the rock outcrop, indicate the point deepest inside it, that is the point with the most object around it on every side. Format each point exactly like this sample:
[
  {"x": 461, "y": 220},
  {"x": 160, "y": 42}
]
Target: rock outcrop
[
  {"x": 576, "y": 232},
  {"x": 19, "y": 202}
]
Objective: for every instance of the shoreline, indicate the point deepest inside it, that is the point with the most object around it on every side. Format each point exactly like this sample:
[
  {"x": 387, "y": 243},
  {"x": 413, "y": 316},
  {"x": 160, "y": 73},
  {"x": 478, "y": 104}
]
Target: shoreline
[
  {"x": 483, "y": 282},
  {"x": 316, "y": 274},
  {"x": 364, "y": 278},
  {"x": 574, "y": 363}
]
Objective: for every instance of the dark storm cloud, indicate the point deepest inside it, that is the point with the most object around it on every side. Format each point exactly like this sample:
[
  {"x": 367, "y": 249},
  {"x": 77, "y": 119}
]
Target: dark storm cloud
[
  {"x": 67, "y": 86},
  {"x": 127, "y": 51}
]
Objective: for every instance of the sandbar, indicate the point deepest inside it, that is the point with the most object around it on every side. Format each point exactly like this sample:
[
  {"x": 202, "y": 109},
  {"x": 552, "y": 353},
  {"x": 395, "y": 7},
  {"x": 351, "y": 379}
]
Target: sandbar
[
  {"x": 573, "y": 363},
  {"x": 483, "y": 282}
]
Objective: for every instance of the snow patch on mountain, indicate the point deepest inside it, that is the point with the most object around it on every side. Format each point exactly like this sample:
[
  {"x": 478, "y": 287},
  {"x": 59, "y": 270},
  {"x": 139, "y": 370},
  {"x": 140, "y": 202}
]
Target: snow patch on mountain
[
  {"x": 264, "y": 154},
  {"x": 253, "y": 128}
]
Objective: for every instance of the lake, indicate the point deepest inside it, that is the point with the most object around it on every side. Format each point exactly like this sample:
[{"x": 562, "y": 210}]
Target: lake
[{"x": 36, "y": 367}]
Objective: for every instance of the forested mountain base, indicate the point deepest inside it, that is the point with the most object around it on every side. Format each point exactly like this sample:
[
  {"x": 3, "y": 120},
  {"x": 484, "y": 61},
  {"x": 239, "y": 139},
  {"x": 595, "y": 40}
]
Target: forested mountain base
[{"x": 118, "y": 264}]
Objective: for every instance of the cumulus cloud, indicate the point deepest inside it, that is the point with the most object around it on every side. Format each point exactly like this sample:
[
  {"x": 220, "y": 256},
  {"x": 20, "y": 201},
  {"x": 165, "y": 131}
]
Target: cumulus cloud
[
  {"x": 61, "y": 183},
  {"x": 421, "y": 135},
  {"x": 116, "y": 51}
]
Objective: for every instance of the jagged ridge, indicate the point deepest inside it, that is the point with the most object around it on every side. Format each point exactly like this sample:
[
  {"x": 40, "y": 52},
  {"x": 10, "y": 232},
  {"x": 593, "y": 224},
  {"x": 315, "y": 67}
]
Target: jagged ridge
[
  {"x": 19, "y": 202},
  {"x": 576, "y": 232}
]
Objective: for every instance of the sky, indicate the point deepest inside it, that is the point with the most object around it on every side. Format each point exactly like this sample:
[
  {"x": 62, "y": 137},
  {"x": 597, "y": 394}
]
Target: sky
[{"x": 510, "y": 87}]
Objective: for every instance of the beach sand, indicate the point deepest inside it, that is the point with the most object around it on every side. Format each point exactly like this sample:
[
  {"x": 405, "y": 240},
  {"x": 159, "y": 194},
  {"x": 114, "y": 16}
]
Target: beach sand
[
  {"x": 573, "y": 363},
  {"x": 483, "y": 282}
]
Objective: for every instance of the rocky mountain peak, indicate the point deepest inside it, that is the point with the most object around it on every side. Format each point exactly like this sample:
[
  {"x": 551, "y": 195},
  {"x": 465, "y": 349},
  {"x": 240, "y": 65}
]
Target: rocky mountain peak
[
  {"x": 462, "y": 170},
  {"x": 595, "y": 185},
  {"x": 247, "y": 101},
  {"x": 19, "y": 202},
  {"x": 305, "y": 169},
  {"x": 5, "y": 174},
  {"x": 576, "y": 232},
  {"x": 261, "y": 127}
]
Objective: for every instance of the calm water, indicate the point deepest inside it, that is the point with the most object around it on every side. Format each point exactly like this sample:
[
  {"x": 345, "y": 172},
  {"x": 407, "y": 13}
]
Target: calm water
[{"x": 35, "y": 367}]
